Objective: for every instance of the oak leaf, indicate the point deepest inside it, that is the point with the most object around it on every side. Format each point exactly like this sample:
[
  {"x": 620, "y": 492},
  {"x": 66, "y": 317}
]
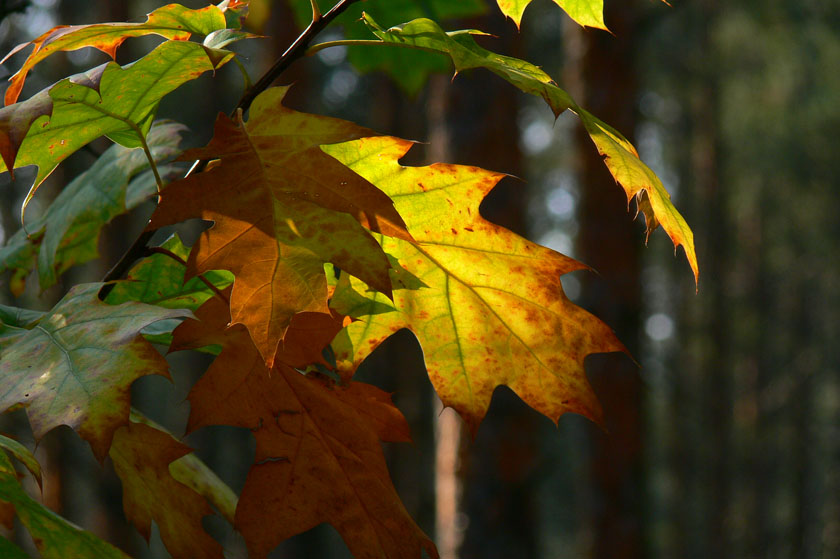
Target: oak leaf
[
  {"x": 620, "y": 156},
  {"x": 486, "y": 305},
  {"x": 281, "y": 208},
  {"x": 67, "y": 233},
  {"x": 142, "y": 456},
  {"x": 55, "y": 537},
  {"x": 174, "y": 22},
  {"x": 589, "y": 13},
  {"x": 76, "y": 364},
  {"x": 319, "y": 456},
  {"x": 410, "y": 69},
  {"x": 111, "y": 100}
]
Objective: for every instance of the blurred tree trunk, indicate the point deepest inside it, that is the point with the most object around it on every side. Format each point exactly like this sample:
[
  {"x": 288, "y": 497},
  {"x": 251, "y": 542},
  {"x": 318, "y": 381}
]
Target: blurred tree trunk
[
  {"x": 609, "y": 241},
  {"x": 499, "y": 466},
  {"x": 716, "y": 363}
]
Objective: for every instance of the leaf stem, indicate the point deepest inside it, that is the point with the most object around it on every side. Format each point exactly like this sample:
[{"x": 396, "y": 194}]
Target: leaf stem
[
  {"x": 148, "y": 152},
  {"x": 175, "y": 257},
  {"x": 316, "y": 11},
  {"x": 363, "y": 42},
  {"x": 242, "y": 69}
]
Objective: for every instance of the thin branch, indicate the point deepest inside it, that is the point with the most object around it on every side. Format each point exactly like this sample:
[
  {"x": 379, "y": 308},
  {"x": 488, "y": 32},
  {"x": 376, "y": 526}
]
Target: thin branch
[
  {"x": 178, "y": 259},
  {"x": 364, "y": 43},
  {"x": 295, "y": 51}
]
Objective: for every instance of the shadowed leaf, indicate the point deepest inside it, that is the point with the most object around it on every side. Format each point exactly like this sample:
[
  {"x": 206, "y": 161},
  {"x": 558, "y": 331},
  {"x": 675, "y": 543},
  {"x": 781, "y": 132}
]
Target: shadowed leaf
[
  {"x": 319, "y": 457},
  {"x": 67, "y": 233},
  {"x": 142, "y": 457},
  {"x": 75, "y": 366},
  {"x": 54, "y": 537}
]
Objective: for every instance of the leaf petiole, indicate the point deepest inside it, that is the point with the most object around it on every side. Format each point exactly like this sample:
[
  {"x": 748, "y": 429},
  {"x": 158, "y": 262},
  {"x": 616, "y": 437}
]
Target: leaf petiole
[
  {"x": 245, "y": 75},
  {"x": 316, "y": 11},
  {"x": 148, "y": 152},
  {"x": 363, "y": 42}
]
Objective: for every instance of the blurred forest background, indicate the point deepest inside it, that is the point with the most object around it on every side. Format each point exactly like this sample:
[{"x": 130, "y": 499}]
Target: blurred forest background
[{"x": 725, "y": 440}]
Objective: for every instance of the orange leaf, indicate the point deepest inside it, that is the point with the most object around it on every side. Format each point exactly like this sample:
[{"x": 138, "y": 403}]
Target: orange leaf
[
  {"x": 319, "y": 456},
  {"x": 173, "y": 22},
  {"x": 281, "y": 208},
  {"x": 142, "y": 455}
]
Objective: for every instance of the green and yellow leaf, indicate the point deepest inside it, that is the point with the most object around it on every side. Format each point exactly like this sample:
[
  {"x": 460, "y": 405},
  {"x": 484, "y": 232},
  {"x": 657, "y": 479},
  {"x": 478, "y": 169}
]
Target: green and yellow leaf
[
  {"x": 119, "y": 102},
  {"x": 589, "y": 13},
  {"x": 173, "y": 21},
  {"x": 619, "y": 154},
  {"x": 486, "y": 305}
]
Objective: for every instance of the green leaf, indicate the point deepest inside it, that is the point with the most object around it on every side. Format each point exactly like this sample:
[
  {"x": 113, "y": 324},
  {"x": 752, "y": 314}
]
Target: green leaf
[
  {"x": 486, "y": 305},
  {"x": 55, "y": 537},
  {"x": 159, "y": 280},
  {"x": 23, "y": 454},
  {"x": 409, "y": 69},
  {"x": 76, "y": 365},
  {"x": 8, "y": 550},
  {"x": 174, "y": 22},
  {"x": 19, "y": 318},
  {"x": 588, "y": 13},
  {"x": 67, "y": 234},
  {"x": 109, "y": 100},
  {"x": 619, "y": 154}
]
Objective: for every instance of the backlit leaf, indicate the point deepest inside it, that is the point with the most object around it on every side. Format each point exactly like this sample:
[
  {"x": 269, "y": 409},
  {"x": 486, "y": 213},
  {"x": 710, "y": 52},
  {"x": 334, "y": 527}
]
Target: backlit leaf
[
  {"x": 281, "y": 208},
  {"x": 588, "y": 13},
  {"x": 75, "y": 366},
  {"x": 109, "y": 100},
  {"x": 173, "y": 22},
  {"x": 486, "y": 305},
  {"x": 409, "y": 69},
  {"x": 619, "y": 154}
]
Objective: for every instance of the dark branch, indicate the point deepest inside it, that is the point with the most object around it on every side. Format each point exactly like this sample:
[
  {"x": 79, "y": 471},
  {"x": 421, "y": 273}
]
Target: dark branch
[{"x": 295, "y": 51}]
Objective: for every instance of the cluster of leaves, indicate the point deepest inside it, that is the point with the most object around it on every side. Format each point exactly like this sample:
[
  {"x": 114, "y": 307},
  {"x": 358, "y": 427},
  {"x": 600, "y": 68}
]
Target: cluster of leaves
[{"x": 320, "y": 240}]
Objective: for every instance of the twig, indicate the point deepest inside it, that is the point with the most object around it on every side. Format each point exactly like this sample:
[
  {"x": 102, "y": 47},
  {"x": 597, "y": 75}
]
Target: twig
[{"x": 295, "y": 51}]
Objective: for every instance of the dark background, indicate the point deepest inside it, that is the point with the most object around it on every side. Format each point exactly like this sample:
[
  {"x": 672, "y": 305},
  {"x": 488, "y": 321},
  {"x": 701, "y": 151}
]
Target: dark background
[{"x": 725, "y": 442}]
